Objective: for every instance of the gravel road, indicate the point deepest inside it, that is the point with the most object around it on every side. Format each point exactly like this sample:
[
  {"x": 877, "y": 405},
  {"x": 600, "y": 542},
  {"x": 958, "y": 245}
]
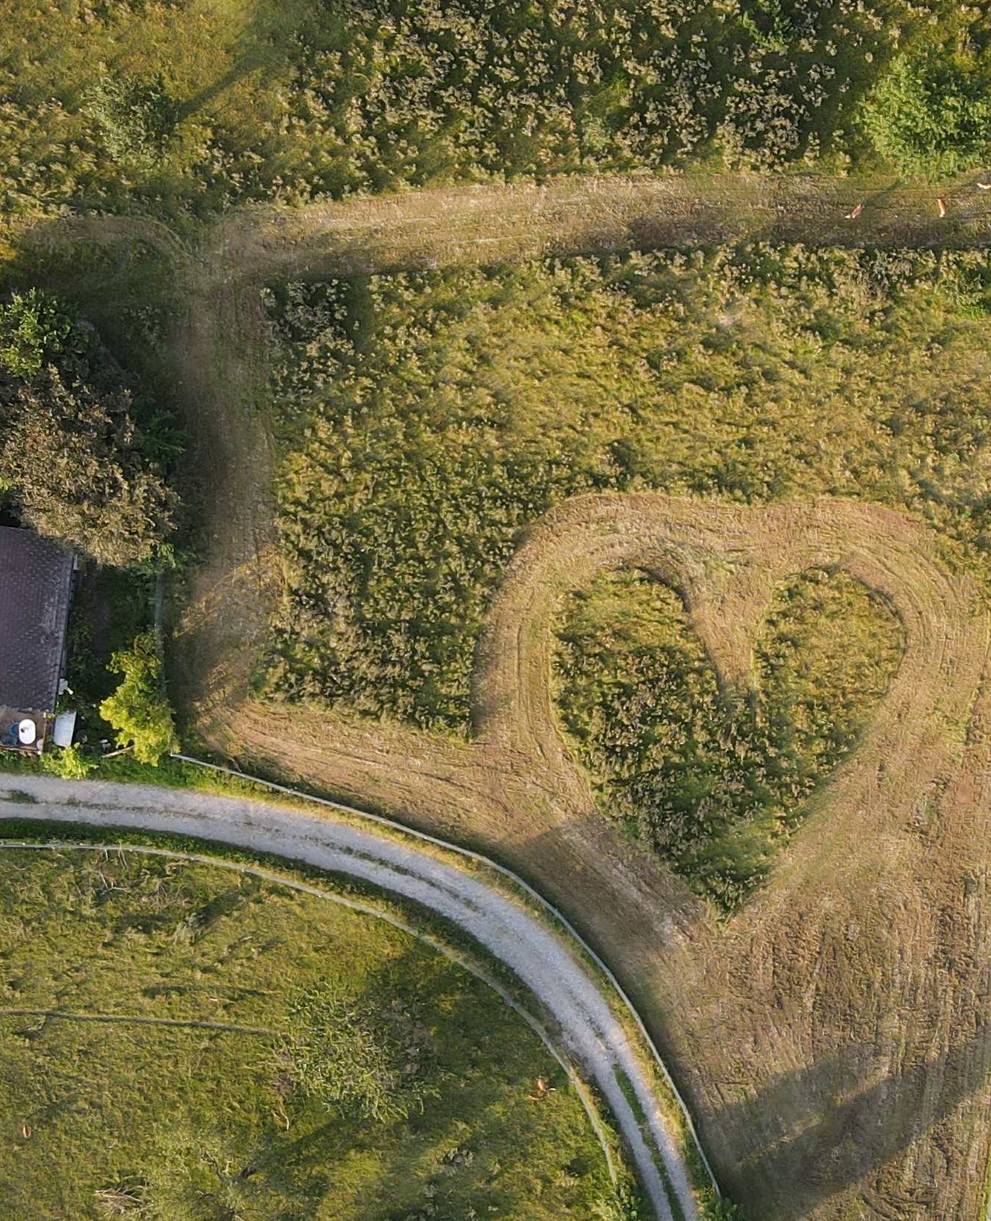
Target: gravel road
[{"x": 544, "y": 963}]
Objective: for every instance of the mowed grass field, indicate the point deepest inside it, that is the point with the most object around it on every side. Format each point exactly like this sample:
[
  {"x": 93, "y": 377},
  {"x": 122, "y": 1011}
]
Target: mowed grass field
[
  {"x": 277, "y": 1112},
  {"x": 426, "y": 419},
  {"x": 185, "y": 109}
]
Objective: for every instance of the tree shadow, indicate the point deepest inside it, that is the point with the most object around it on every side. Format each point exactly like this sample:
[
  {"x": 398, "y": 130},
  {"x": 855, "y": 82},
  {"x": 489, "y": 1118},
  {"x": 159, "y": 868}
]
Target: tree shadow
[
  {"x": 842, "y": 1126},
  {"x": 264, "y": 46}
]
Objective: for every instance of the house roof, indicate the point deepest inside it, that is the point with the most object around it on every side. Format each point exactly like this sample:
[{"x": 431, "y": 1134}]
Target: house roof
[{"x": 35, "y": 583}]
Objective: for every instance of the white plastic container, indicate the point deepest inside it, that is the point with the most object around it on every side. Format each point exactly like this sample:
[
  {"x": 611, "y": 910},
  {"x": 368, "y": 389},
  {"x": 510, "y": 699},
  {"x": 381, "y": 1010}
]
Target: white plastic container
[{"x": 64, "y": 728}]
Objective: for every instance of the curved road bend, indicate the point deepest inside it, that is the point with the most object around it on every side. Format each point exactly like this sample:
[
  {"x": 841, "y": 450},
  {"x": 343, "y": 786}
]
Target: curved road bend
[{"x": 589, "y": 1029}]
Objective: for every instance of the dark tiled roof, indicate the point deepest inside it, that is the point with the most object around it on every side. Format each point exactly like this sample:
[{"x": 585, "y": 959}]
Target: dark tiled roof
[{"x": 35, "y": 581}]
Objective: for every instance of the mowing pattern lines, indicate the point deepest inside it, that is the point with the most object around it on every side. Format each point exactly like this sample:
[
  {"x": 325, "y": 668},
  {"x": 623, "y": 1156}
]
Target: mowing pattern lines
[
  {"x": 857, "y": 887},
  {"x": 832, "y": 1037}
]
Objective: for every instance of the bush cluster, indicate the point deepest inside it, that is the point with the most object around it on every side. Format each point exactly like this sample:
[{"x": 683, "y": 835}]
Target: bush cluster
[{"x": 931, "y": 114}]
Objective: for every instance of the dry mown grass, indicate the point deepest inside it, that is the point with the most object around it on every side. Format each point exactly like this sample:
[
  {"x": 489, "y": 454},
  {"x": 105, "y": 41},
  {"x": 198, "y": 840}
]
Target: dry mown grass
[{"x": 856, "y": 972}]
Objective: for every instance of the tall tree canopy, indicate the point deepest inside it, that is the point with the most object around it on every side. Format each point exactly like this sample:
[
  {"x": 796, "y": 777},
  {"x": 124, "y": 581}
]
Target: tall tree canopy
[{"x": 72, "y": 454}]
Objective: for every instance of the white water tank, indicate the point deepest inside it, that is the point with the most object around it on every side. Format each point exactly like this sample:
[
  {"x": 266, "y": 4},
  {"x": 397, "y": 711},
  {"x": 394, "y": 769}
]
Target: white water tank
[{"x": 64, "y": 728}]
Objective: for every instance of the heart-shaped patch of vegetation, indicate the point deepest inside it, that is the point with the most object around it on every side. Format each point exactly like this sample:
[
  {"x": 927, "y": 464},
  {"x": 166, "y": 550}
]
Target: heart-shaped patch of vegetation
[{"x": 716, "y": 781}]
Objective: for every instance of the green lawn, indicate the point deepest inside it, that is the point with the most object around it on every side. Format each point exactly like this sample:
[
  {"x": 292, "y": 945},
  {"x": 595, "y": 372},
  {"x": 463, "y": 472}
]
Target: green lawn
[{"x": 121, "y": 1119}]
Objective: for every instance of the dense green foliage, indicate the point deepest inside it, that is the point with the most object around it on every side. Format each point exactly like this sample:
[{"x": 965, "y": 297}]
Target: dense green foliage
[
  {"x": 427, "y": 418},
  {"x": 33, "y": 330},
  {"x": 210, "y": 1123},
  {"x": 139, "y": 710},
  {"x": 931, "y": 115},
  {"x": 69, "y": 762},
  {"x": 198, "y": 106},
  {"x": 72, "y": 453},
  {"x": 714, "y": 781}
]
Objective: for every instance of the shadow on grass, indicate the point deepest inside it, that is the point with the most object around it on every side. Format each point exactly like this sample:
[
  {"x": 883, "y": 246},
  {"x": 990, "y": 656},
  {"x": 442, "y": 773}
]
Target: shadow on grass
[
  {"x": 265, "y": 46},
  {"x": 845, "y": 1126}
]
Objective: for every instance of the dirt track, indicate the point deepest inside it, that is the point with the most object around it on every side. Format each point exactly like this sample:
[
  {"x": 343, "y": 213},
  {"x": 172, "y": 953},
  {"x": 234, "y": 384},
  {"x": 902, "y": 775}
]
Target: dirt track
[
  {"x": 833, "y": 1037},
  {"x": 588, "y": 1027}
]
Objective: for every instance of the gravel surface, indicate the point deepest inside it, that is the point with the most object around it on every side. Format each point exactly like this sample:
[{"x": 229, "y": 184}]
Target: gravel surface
[{"x": 574, "y": 997}]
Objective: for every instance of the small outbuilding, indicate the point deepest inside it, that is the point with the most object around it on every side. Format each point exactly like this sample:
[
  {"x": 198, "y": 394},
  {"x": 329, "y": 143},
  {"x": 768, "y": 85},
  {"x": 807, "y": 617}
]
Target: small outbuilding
[{"x": 35, "y": 591}]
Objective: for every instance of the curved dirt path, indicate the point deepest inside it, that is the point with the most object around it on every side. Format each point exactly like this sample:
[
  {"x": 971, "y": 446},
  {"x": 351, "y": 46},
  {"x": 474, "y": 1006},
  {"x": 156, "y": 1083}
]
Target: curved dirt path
[{"x": 587, "y": 1026}]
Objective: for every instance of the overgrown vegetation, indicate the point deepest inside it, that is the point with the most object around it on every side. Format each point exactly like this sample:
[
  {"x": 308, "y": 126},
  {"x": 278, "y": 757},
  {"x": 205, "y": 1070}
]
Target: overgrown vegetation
[
  {"x": 212, "y": 1122},
  {"x": 191, "y": 108},
  {"x": 715, "y": 781},
  {"x": 360, "y": 1058},
  {"x": 136, "y": 119},
  {"x": 425, "y": 419},
  {"x": 73, "y": 456}
]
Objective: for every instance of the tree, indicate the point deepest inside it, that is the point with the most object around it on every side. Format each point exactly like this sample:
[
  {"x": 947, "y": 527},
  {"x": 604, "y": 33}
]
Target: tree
[
  {"x": 72, "y": 457},
  {"x": 930, "y": 114},
  {"x": 136, "y": 118},
  {"x": 138, "y": 710}
]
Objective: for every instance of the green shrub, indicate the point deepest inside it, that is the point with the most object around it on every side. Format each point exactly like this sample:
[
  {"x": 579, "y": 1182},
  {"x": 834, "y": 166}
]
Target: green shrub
[
  {"x": 624, "y": 1204},
  {"x": 68, "y": 762},
  {"x": 138, "y": 710},
  {"x": 930, "y": 115},
  {"x": 718, "y": 1208},
  {"x": 33, "y": 327},
  {"x": 75, "y": 460},
  {"x": 137, "y": 119}
]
